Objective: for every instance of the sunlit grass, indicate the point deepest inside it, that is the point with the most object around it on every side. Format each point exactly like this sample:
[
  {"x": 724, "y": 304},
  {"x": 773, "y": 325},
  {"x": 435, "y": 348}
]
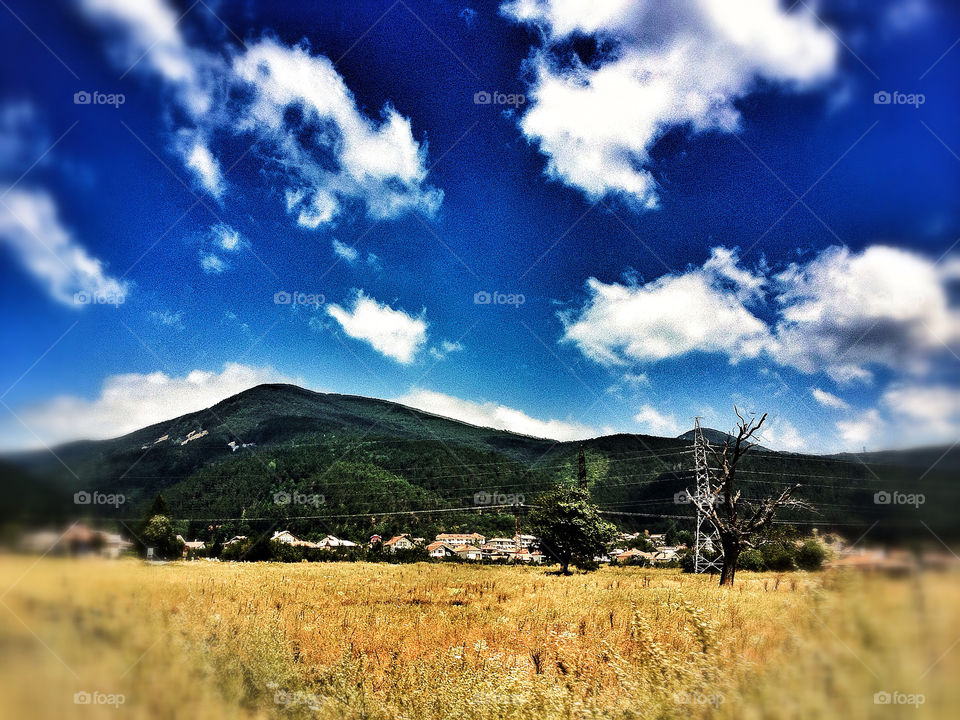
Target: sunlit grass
[{"x": 354, "y": 640}]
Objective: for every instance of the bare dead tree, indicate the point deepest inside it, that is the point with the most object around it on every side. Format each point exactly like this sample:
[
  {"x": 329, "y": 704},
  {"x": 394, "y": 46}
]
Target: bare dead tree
[{"x": 739, "y": 522}]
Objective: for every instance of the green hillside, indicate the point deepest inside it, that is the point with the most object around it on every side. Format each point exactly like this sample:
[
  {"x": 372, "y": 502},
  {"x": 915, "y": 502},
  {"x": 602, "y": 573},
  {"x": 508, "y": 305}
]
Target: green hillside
[{"x": 383, "y": 467}]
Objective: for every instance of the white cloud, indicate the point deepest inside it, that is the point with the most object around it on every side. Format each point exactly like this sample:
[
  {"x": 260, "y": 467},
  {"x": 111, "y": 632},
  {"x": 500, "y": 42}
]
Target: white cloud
[
  {"x": 205, "y": 167},
  {"x": 212, "y": 264},
  {"x": 862, "y": 430},
  {"x": 378, "y": 163},
  {"x": 446, "y": 347},
  {"x": 843, "y": 312},
  {"x": 829, "y": 400},
  {"x": 840, "y": 313},
  {"x": 654, "y": 422},
  {"x": 781, "y": 434},
  {"x": 926, "y": 413},
  {"x": 221, "y": 238},
  {"x": 671, "y": 316},
  {"x": 344, "y": 251},
  {"x": 146, "y": 33},
  {"x": 31, "y": 227},
  {"x": 167, "y": 318},
  {"x": 493, "y": 415},
  {"x": 671, "y": 65},
  {"x": 393, "y": 333},
  {"x": 317, "y": 142},
  {"x": 226, "y": 238},
  {"x": 131, "y": 401}
]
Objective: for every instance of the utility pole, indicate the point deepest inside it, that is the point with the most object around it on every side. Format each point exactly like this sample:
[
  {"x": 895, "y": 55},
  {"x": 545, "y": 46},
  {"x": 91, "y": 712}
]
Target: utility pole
[
  {"x": 581, "y": 468},
  {"x": 703, "y": 491}
]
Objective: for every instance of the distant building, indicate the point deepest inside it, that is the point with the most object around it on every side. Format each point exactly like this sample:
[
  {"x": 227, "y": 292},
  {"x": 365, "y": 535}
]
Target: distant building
[
  {"x": 287, "y": 538},
  {"x": 398, "y": 542},
  {"x": 77, "y": 539},
  {"x": 439, "y": 550},
  {"x": 458, "y": 539}
]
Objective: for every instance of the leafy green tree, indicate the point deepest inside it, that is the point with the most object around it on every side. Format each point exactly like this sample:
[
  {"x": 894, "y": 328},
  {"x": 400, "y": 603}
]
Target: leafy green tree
[
  {"x": 158, "y": 507},
  {"x": 751, "y": 559},
  {"x": 570, "y": 528},
  {"x": 159, "y": 534},
  {"x": 810, "y": 555}
]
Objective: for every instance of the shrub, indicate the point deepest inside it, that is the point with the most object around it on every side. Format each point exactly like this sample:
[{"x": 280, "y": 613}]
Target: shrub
[
  {"x": 751, "y": 559},
  {"x": 810, "y": 555}
]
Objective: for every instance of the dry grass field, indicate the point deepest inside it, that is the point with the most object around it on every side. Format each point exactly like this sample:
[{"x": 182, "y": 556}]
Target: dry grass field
[{"x": 219, "y": 640}]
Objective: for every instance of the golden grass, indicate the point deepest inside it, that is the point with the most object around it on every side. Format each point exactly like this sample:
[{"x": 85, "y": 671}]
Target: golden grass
[{"x": 355, "y": 640}]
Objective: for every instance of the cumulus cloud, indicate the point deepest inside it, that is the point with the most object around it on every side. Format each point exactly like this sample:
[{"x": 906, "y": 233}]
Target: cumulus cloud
[
  {"x": 221, "y": 238},
  {"x": 860, "y": 430},
  {"x": 494, "y": 415},
  {"x": 204, "y": 166},
  {"x": 30, "y": 225},
  {"x": 700, "y": 310},
  {"x": 445, "y": 348},
  {"x": 829, "y": 399},
  {"x": 781, "y": 434},
  {"x": 131, "y": 401},
  {"x": 147, "y": 33},
  {"x": 326, "y": 153},
  {"x": 926, "y": 413},
  {"x": 344, "y": 251},
  {"x": 378, "y": 162},
  {"x": 393, "y": 333},
  {"x": 660, "y": 66},
  {"x": 654, "y": 422},
  {"x": 844, "y": 311},
  {"x": 840, "y": 313}
]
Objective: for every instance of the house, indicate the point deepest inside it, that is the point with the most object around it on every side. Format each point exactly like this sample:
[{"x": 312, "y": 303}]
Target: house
[
  {"x": 235, "y": 539},
  {"x": 529, "y": 556},
  {"x": 189, "y": 545},
  {"x": 658, "y": 539},
  {"x": 458, "y": 539},
  {"x": 527, "y": 541},
  {"x": 333, "y": 543},
  {"x": 469, "y": 552},
  {"x": 666, "y": 553},
  {"x": 375, "y": 540},
  {"x": 440, "y": 550},
  {"x": 632, "y": 555},
  {"x": 501, "y": 544},
  {"x": 287, "y": 538},
  {"x": 398, "y": 542},
  {"x": 494, "y": 552},
  {"x": 77, "y": 539}
]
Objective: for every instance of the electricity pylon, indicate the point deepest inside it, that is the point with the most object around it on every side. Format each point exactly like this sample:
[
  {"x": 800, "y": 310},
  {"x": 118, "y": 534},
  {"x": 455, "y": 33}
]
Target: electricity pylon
[{"x": 705, "y": 534}]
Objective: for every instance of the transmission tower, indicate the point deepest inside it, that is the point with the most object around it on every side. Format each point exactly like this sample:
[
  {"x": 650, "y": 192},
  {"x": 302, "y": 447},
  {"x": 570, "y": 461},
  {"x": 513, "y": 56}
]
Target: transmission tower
[{"x": 705, "y": 535}]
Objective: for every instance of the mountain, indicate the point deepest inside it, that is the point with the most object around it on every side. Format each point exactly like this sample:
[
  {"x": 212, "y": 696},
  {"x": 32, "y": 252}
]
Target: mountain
[{"x": 355, "y": 465}]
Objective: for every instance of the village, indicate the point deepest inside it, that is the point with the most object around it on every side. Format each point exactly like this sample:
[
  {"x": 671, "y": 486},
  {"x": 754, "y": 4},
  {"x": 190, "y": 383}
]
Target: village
[{"x": 79, "y": 540}]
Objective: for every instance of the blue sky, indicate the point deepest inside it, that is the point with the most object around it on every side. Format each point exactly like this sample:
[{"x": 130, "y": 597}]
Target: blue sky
[{"x": 671, "y": 211}]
